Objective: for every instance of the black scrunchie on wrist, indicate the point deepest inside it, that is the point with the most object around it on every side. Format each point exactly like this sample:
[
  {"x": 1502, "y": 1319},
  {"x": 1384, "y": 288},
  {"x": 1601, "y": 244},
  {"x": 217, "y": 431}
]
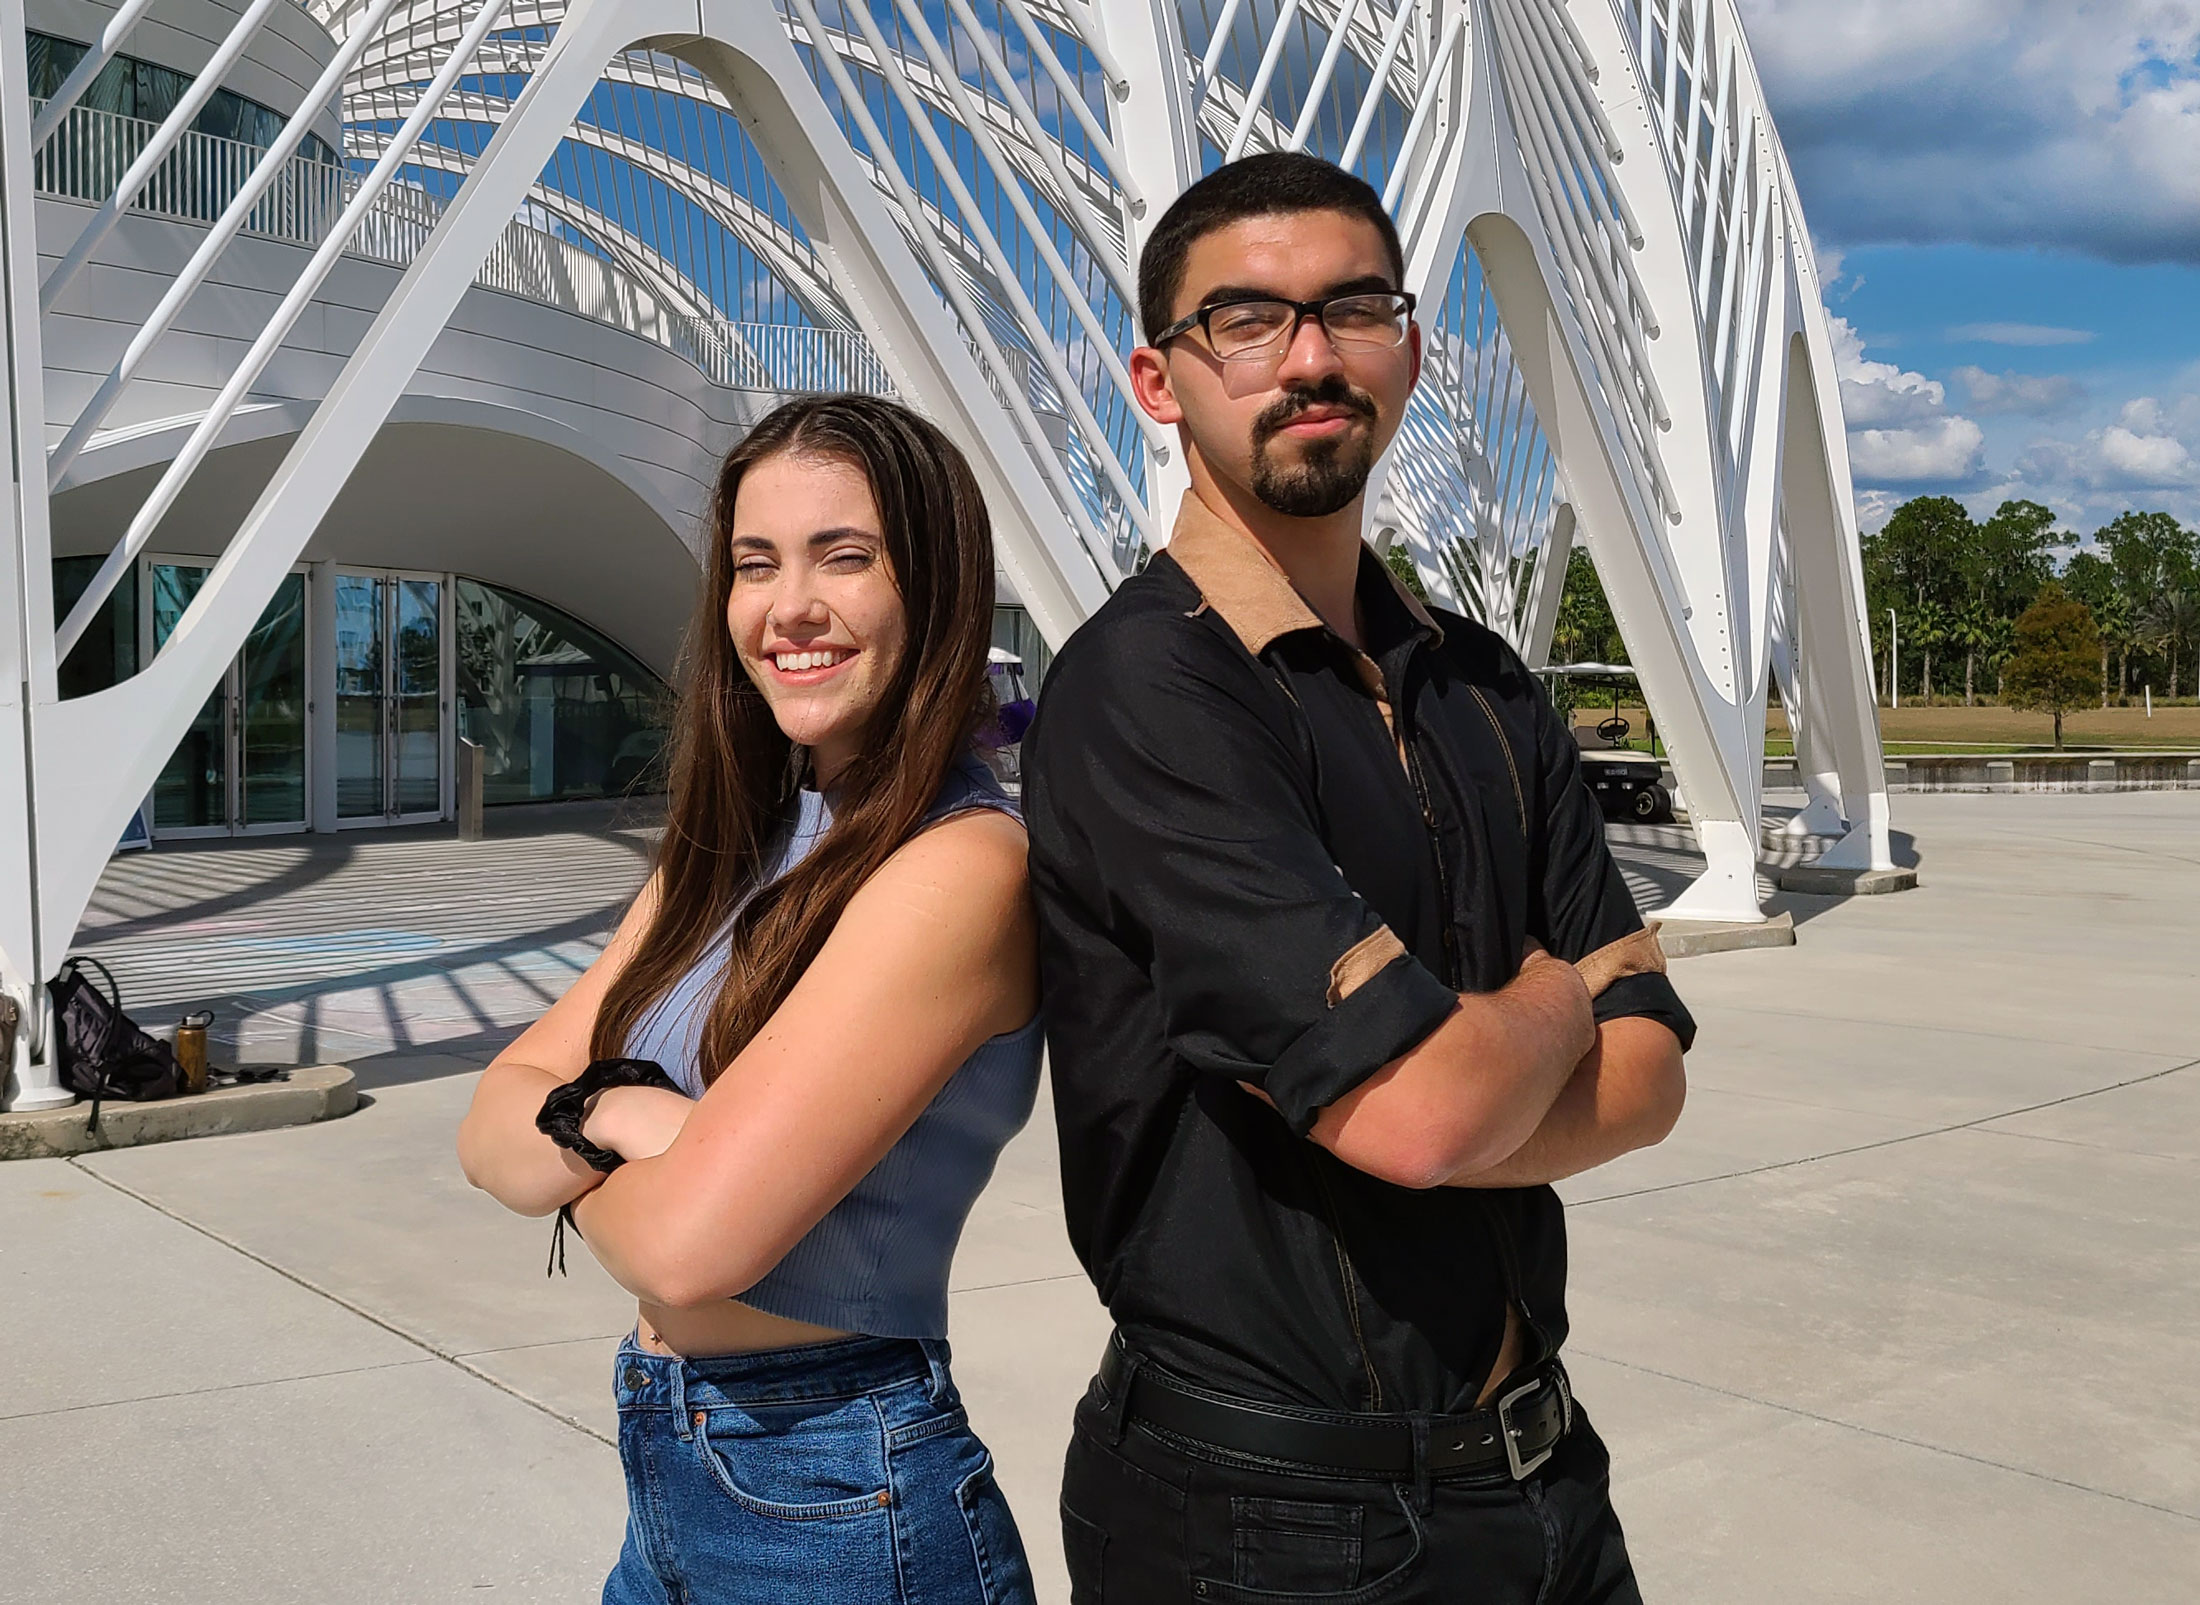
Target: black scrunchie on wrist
[{"x": 564, "y": 1111}]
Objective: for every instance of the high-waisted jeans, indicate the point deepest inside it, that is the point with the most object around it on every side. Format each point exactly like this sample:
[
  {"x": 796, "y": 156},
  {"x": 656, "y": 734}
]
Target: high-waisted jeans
[{"x": 840, "y": 1473}]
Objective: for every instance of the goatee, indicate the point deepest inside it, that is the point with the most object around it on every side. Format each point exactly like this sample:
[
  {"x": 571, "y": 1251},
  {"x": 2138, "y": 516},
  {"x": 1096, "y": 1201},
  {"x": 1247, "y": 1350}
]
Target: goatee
[{"x": 1331, "y": 473}]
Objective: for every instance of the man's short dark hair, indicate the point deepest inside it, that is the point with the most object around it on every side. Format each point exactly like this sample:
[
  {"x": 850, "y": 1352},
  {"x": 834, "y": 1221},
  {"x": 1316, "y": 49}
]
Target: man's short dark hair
[{"x": 1256, "y": 186}]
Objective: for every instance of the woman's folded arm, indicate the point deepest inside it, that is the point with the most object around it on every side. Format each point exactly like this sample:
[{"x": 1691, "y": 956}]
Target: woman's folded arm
[{"x": 933, "y": 955}]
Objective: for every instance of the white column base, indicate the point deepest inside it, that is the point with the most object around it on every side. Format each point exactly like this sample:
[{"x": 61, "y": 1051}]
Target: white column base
[
  {"x": 1865, "y": 847},
  {"x": 1726, "y": 891},
  {"x": 32, "y": 1085},
  {"x": 1821, "y": 816}
]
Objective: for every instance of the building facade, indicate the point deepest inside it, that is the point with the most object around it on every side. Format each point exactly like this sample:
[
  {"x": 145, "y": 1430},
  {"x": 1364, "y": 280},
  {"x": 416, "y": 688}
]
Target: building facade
[{"x": 424, "y": 434}]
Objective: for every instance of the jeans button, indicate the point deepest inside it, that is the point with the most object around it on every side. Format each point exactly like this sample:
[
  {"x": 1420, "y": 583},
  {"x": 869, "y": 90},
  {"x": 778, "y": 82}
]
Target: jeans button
[{"x": 636, "y": 1378}]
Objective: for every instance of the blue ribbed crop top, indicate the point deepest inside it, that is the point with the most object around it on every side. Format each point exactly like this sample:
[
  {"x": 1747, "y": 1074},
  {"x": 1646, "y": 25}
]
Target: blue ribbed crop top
[{"x": 878, "y": 1262}]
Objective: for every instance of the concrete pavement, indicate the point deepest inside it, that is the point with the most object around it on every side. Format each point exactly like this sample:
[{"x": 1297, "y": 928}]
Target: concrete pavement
[{"x": 1902, "y": 1310}]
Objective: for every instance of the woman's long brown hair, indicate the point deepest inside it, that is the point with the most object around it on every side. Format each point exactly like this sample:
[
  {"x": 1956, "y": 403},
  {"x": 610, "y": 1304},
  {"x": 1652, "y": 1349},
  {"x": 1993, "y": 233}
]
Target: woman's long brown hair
[{"x": 733, "y": 770}]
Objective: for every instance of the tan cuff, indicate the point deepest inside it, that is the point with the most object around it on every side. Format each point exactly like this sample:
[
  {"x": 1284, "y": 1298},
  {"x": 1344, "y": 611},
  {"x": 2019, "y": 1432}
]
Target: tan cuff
[
  {"x": 1361, "y": 963},
  {"x": 1638, "y": 954}
]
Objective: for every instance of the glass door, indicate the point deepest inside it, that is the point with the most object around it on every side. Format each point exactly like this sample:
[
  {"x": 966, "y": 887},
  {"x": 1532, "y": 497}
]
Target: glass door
[
  {"x": 390, "y": 707},
  {"x": 191, "y": 797},
  {"x": 241, "y": 767},
  {"x": 270, "y": 719},
  {"x": 361, "y": 776},
  {"x": 416, "y": 699}
]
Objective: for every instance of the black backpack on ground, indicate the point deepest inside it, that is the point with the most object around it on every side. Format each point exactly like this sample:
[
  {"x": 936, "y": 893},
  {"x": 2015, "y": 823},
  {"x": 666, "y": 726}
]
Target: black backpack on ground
[{"x": 100, "y": 1051}]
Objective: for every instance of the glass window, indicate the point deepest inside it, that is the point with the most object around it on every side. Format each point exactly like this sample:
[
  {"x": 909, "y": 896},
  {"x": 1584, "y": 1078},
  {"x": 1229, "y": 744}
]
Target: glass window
[
  {"x": 558, "y": 711},
  {"x": 1014, "y": 631},
  {"x": 107, "y": 655},
  {"x": 132, "y": 88}
]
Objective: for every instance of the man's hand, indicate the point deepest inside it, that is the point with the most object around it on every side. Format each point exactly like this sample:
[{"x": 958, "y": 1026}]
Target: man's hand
[
  {"x": 1475, "y": 1088},
  {"x": 1548, "y": 983},
  {"x": 636, "y": 1122},
  {"x": 1625, "y": 1094}
]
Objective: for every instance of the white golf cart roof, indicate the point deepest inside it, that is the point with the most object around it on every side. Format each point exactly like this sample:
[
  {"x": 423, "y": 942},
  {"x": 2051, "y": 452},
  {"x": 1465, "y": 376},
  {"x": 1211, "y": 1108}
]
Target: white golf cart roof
[{"x": 1590, "y": 671}]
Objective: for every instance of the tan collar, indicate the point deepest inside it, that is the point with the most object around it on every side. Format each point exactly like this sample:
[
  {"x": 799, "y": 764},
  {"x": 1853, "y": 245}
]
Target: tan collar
[{"x": 1243, "y": 584}]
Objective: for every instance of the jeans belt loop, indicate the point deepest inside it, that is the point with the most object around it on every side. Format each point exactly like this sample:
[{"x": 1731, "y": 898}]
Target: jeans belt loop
[
  {"x": 1424, "y": 1491},
  {"x": 1119, "y": 1405},
  {"x": 677, "y": 1370},
  {"x": 935, "y": 1359}
]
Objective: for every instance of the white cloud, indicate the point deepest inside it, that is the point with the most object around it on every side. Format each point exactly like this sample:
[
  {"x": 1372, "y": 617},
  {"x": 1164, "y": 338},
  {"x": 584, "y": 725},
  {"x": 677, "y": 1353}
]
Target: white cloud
[
  {"x": 2152, "y": 446},
  {"x": 1940, "y": 452},
  {"x": 1880, "y": 394},
  {"x": 2144, "y": 460},
  {"x": 2019, "y": 334},
  {"x": 1834, "y": 278},
  {"x": 1874, "y": 508},
  {"x": 1900, "y": 429},
  {"x": 1999, "y": 122},
  {"x": 2151, "y": 417},
  {"x": 2041, "y": 395}
]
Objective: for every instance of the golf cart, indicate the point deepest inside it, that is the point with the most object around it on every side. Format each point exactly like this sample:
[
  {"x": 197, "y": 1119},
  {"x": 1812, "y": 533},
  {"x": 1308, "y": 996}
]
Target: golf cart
[{"x": 1627, "y": 784}]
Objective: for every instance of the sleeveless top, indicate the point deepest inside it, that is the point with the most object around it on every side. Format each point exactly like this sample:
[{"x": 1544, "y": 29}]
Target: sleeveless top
[{"x": 878, "y": 1261}]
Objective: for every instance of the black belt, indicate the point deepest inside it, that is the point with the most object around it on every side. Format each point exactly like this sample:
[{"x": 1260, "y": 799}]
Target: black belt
[{"x": 1514, "y": 1436}]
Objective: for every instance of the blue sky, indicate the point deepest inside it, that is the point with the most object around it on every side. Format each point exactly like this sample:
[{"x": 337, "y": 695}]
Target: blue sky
[{"x": 2006, "y": 199}]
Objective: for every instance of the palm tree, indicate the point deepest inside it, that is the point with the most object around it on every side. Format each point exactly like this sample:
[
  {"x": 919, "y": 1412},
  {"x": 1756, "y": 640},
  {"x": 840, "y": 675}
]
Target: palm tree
[
  {"x": 2001, "y": 641},
  {"x": 1972, "y": 627},
  {"x": 1928, "y": 626},
  {"x": 2113, "y": 613},
  {"x": 2171, "y": 625}
]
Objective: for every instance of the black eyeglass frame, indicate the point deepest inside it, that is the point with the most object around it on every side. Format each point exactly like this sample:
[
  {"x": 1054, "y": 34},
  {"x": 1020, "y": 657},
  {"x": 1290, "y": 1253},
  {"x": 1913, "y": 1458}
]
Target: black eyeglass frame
[{"x": 1199, "y": 318}]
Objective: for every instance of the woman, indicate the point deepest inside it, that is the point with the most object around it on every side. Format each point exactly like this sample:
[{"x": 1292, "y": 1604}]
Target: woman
[{"x": 834, "y": 959}]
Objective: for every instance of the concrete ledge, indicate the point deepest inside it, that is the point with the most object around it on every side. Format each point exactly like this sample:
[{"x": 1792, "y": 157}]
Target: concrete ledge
[
  {"x": 1814, "y": 880},
  {"x": 1687, "y": 939},
  {"x": 315, "y": 1092},
  {"x": 2039, "y": 771}
]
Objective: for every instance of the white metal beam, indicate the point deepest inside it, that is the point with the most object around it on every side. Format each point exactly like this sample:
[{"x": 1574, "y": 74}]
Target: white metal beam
[{"x": 26, "y": 592}]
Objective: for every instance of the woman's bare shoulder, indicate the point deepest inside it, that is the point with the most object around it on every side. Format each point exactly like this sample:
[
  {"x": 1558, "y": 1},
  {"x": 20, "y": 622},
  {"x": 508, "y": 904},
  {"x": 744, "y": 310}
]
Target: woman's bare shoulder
[{"x": 981, "y": 853}]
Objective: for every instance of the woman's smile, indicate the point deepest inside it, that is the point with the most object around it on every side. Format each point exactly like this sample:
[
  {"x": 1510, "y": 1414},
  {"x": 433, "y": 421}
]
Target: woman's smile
[{"x": 807, "y": 666}]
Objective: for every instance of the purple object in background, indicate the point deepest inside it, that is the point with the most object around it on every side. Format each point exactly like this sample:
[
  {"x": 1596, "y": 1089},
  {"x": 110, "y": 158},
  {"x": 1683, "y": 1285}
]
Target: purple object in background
[{"x": 1006, "y": 673}]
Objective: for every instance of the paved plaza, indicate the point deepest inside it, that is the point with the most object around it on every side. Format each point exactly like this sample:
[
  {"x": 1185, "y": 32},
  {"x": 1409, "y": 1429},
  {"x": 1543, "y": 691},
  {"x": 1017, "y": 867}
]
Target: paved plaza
[{"x": 1902, "y": 1311}]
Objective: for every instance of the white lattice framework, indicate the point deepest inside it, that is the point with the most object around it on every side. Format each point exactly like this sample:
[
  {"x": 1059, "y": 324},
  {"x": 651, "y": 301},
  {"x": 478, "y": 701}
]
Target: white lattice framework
[{"x": 1623, "y": 317}]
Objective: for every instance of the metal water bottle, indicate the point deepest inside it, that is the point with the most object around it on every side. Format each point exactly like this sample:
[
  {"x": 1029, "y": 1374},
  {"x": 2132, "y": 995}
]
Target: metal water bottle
[{"x": 191, "y": 1048}]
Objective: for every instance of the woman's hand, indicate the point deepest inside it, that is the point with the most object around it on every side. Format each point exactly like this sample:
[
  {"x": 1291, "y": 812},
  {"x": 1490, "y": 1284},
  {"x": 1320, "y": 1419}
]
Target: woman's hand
[
  {"x": 501, "y": 1149},
  {"x": 636, "y": 1122}
]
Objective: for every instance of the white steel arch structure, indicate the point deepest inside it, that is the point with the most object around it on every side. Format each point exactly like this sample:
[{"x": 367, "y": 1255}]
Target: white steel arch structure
[{"x": 1624, "y": 322}]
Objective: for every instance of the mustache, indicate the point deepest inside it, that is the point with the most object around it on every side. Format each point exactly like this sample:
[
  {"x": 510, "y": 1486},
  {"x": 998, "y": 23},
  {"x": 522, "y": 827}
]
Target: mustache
[{"x": 1331, "y": 392}]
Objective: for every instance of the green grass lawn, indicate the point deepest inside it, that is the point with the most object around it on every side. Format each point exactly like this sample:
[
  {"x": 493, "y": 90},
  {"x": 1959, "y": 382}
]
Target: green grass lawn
[{"x": 1996, "y": 732}]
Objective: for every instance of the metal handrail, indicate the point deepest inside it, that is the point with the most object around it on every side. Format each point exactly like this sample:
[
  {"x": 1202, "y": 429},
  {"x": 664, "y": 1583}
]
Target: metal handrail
[{"x": 91, "y": 149}]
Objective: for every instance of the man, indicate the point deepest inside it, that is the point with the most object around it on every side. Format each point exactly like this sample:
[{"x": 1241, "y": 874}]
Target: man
[{"x": 1313, "y": 869}]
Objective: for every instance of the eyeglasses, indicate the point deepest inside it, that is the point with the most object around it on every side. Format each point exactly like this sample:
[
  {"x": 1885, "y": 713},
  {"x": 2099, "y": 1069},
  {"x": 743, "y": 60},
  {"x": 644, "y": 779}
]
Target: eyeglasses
[{"x": 1259, "y": 330}]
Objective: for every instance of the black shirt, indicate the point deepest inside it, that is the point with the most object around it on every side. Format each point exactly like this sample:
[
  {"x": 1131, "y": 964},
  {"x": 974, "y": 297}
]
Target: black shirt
[{"x": 1239, "y": 880}]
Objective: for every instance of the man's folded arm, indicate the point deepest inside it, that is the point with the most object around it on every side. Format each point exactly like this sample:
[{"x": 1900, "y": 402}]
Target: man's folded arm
[
  {"x": 1626, "y": 1094},
  {"x": 1627, "y": 1091},
  {"x": 1472, "y": 1092}
]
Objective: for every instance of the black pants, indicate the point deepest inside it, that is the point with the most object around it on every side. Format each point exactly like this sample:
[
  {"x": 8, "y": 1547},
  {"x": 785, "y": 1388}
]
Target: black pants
[{"x": 1144, "y": 1522}]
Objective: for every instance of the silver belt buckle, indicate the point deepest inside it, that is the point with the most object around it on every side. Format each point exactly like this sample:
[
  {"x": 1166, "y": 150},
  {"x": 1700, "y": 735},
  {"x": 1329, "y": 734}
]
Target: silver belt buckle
[{"x": 1522, "y": 1470}]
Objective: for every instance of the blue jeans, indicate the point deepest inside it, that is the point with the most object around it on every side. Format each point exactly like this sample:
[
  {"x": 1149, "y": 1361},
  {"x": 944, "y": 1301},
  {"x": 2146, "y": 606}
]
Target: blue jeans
[{"x": 840, "y": 1473}]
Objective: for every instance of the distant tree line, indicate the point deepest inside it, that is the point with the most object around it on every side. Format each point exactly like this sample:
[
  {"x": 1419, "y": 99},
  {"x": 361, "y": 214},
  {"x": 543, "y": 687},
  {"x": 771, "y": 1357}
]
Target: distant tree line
[
  {"x": 1957, "y": 587},
  {"x": 1585, "y": 631}
]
